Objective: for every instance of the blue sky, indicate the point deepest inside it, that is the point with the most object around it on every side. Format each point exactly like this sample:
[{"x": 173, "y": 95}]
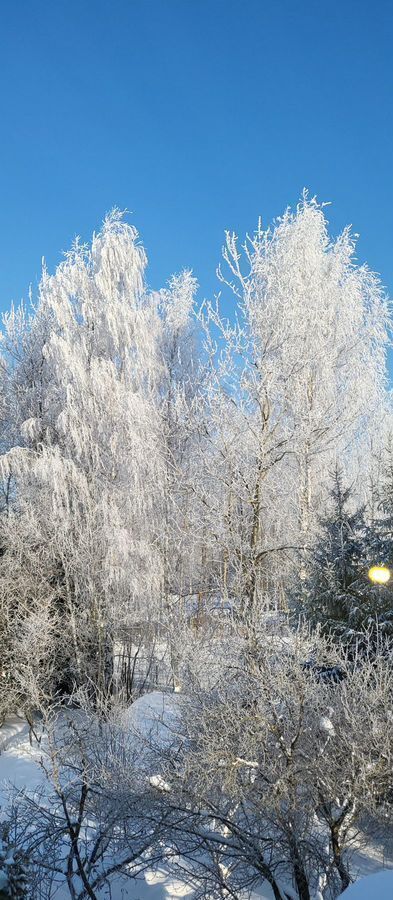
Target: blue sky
[{"x": 196, "y": 115}]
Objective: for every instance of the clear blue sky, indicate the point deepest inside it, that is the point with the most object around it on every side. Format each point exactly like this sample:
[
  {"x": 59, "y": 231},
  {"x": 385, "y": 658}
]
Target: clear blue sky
[{"x": 196, "y": 115}]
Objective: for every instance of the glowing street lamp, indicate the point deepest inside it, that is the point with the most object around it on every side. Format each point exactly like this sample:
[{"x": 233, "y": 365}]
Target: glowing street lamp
[{"x": 379, "y": 574}]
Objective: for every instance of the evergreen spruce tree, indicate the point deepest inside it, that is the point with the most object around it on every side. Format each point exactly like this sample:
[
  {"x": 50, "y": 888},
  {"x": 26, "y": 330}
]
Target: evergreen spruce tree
[
  {"x": 337, "y": 592},
  {"x": 383, "y": 520}
]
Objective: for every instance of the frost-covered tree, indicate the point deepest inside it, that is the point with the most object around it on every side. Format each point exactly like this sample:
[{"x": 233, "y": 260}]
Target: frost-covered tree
[
  {"x": 298, "y": 374},
  {"x": 179, "y": 413},
  {"x": 336, "y": 565},
  {"x": 180, "y": 535},
  {"x": 381, "y": 514},
  {"x": 141, "y": 476},
  {"x": 336, "y": 592},
  {"x": 90, "y": 471},
  {"x": 277, "y": 767},
  {"x": 13, "y": 867},
  {"x": 96, "y": 818}
]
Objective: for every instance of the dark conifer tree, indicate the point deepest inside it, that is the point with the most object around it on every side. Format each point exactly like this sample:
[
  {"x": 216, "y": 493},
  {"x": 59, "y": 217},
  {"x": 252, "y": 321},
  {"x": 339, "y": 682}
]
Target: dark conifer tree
[{"x": 337, "y": 592}]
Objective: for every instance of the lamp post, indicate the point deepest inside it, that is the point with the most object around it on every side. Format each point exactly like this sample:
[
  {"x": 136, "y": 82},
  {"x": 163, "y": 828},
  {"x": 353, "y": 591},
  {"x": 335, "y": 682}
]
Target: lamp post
[{"x": 379, "y": 574}]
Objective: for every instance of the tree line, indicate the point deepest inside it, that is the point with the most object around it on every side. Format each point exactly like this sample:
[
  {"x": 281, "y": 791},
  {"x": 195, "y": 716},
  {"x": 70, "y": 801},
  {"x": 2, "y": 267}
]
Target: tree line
[{"x": 192, "y": 495}]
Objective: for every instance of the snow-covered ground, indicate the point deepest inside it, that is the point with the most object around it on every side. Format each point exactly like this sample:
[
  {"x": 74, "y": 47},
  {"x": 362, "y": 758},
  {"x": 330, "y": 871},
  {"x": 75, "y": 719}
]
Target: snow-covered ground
[
  {"x": 378, "y": 886},
  {"x": 154, "y": 715}
]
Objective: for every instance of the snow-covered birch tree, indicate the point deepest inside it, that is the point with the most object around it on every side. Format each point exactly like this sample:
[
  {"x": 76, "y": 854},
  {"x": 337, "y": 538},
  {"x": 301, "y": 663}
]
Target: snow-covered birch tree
[
  {"x": 89, "y": 478},
  {"x": 298, "y": 375}
]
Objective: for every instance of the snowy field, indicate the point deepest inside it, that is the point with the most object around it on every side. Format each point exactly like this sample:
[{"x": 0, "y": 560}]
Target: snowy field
[{"x": 20, "y": 769}]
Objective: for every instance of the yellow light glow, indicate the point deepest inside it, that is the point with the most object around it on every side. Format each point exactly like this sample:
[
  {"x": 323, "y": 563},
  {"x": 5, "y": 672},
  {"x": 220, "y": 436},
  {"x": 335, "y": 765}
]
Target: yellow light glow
[{"x": 379, "y": 574}]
